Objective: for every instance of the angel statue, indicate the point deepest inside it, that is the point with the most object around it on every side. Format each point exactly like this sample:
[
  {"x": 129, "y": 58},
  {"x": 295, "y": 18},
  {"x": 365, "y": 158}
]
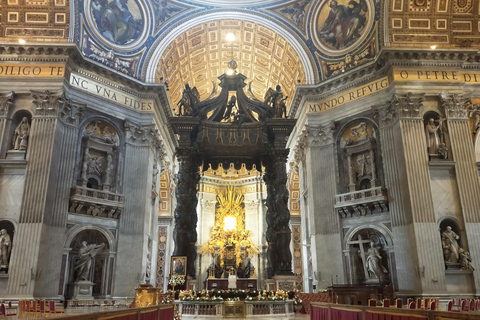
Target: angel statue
[
  {"x": 190, "y": 97},
  {"x": 275, "y": 99}
]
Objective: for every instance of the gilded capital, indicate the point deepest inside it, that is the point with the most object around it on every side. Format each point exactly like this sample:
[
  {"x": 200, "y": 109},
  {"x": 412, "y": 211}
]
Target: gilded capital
[
  {"x": 6, "y": 102},
  {"x": 47, "y": 102},
  {"x": 409, "y": 105},
  {"x": 456, "y": 105},
  {"x": 386, "y": 115},
  {"x": 319, "y": 136}
]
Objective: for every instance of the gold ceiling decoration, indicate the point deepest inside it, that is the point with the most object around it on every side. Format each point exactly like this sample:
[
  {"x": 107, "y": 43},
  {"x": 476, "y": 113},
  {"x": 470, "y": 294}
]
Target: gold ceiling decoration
[
  {"x": 230, "y": 205},
  {"x": 201, "y": 54},
  {"x": 439, "y": 23}
]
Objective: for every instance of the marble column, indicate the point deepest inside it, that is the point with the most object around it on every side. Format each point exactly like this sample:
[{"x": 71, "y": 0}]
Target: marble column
[
  {"x": 6, "y": 102},
  {"x": 323, "y": 221},
  {"x": 466, "y": 172},
  {"x": 185, "y": 231},
  {"x": 26, "y": 262},
  {"x": 135, "y": 221}
]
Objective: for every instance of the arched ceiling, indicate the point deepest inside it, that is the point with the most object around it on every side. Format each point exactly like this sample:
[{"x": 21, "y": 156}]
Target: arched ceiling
[{"x": 200, "y": 55}]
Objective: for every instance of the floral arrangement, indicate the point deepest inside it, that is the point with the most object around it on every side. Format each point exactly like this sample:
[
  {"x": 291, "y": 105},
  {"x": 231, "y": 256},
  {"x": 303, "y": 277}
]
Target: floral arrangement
[
  {"x": 233, "y": 299},
  {"x": 167, "y": 299},
  {"x": 202, "y": 299},
  {"x": 296, "y": 298},
  {"x": 176, "y": 280}
]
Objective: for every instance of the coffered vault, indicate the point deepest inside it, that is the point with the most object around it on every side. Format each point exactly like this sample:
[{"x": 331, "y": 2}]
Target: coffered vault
[{"x": 201, "y": 54}]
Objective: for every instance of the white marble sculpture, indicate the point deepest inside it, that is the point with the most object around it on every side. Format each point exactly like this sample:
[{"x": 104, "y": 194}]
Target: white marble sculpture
[
  {"x": 433, "y": 137},
  {"x": 5, "y": 248},
  {"x": 21, "y": 134},
  {"x": 83, "y": 265},
  {"x": 450, "y": 245},
  {"x": 374, "y": 263}
]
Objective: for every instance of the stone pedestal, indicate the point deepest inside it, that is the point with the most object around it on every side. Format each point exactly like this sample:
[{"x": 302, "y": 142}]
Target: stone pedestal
[
  {"x": 285, "y": 283},
  {"x": 82, "y": 290},
  {"x": 16, "y": 154}
]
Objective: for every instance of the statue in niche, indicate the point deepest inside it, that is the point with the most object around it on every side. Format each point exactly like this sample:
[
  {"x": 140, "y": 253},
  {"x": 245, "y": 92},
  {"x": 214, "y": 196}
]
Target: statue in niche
[
  {"x": 374, "y": 264},
  {"x": 275, "y": 99},
  {"x": 5, "y": 249},
  {"x": 248, "y": 268},
  {"x": 450, "y": 245},
  {"x": 230, "y": 106},
  {"x": 465, "y": 260},
  {"x": 433, "y": 132},
  {"x": 476, "y": 123},
  {"x": 21, "y": 134},
  {"x": 83, "y": 265},
  {"x": 190, "y": 97}
]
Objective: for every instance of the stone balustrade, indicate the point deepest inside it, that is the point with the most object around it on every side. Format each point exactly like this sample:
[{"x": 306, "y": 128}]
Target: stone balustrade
[
  {"x": 97, "y": 203},
  {"x": 362, "y": 202}
]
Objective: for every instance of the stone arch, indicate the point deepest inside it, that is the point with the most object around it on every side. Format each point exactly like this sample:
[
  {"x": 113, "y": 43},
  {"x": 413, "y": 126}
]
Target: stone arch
[
  {"x": 362, "y": 245},
  {"x": 16, "y": 120},
  {"x": 101, "y": 271},
  {"x": 452, "y": 222},
  {"x": 9, "y": 226},
  {"x": 305, "y": 57},
  {"x": 443, "y": 137}
]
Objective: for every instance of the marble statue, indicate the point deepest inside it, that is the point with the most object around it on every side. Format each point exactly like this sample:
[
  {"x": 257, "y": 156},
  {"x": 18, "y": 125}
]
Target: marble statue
[
  {"x": 465, "y": 260},
  {"x": 476, "y": 123},
  {"x": 248, "y": 268},
  {"x": 443, "y": 150},
  {"x": 21, "y": 134},
  {"x": 433, "y": 138},
  {"x": 83, "y": 265},
  {"x": 374, "y": 263},
  {"x": 5, "y": 248},
  {"x": 450, "y": 245}
]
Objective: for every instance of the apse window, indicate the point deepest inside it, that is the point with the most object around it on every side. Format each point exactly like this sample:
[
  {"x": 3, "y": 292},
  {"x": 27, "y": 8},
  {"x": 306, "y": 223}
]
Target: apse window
[{"x": 230, "y": 223}]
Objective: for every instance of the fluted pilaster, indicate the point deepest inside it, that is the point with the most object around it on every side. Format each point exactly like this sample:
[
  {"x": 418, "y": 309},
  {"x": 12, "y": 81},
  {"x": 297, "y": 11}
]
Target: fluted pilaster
[
  {"x": 467, "y": 175},
  {"x": 25, "y": 253},
  {"x": 55, "y": 215},
  {"x": 6, "y": 102},
  {"x": 325, "y": 238}
]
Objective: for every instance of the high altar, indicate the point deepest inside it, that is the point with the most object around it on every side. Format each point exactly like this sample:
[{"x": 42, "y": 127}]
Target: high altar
[{"x": 230, "y": 246}]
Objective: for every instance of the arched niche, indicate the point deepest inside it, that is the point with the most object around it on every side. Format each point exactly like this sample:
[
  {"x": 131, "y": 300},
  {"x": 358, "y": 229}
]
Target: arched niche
[
  {"x": 359, "y": 164},
  {"x": 7, "y": 230},
  {"x": 436, "y": 137},
  {"x": 101, "y": 270},
  {"x": 362, "y": 244},
  {"x": 19, "y": 134}
]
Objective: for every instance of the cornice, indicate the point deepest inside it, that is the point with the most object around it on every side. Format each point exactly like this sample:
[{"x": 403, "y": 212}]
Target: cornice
[
  {"x": 387, "y": 58},
  {"x": 36, "y": 52}
]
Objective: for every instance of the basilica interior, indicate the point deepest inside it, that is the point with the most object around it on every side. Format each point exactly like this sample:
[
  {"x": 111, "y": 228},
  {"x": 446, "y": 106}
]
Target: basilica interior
[{"x": 293, "y": 144}]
